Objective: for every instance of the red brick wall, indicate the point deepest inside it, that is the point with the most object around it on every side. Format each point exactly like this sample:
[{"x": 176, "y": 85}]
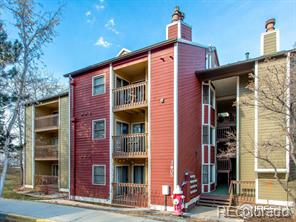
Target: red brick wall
[
  {"x": 191, "y": 58},
  {"x": 84, "y": 151},
  {"x": 162, "y": 121}
]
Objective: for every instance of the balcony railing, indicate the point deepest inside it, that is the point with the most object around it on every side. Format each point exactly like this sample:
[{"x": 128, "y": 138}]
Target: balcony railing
[
  {"x": 130, "y": 96},
  {"x": 130, "y": 145},
  {"x": 224, "y": 133},
  {"x": 47, "y": 122},
  {"x": 130, "y": 194},
  {"x": 45, "y": 180},
  {"x": 241, "y": 192},
  {"x": 46, "y": 152}
]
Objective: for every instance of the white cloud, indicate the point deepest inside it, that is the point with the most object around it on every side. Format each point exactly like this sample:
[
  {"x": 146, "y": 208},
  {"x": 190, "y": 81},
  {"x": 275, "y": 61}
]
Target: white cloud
[
  {"x": 88, "y": 13},
  {"x": 100, "y": 6},
  {"x": 103, "y": 43},
  {"x": 111, "y": 26}
]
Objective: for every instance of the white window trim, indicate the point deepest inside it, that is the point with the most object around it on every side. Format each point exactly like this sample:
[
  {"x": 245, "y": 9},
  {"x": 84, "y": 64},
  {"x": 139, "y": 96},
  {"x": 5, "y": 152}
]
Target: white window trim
[
  {"x": 92, "y": 85},
  {"x": 92, "y": 130},
  {"x": 92, "y": 174}
]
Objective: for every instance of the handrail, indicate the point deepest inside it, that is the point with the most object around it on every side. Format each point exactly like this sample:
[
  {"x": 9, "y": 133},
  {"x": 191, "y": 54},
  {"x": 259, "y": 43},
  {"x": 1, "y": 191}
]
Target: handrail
[
  {"x": 46, "y": 151},
  {"x": 48, "y": 121},
  {"x": 242, "y": 190}
]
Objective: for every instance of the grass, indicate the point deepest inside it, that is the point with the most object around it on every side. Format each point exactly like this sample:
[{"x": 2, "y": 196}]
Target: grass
[{"x": 13, "y": 181}]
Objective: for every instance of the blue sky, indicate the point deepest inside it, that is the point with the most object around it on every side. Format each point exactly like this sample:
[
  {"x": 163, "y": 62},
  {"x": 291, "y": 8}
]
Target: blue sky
[{"x": 95, "y": 30}]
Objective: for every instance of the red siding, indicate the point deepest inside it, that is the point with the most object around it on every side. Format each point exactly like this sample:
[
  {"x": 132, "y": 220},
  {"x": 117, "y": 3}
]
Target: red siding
[
  {"x": 186, "y": 32},
  {"x": 173, "y": 31},
  {"x": 162, "y": 121},
  {"x": 191, "y": 58},
  {"x": 206, "y": 114},
  {"x": 84, "y": 151}
]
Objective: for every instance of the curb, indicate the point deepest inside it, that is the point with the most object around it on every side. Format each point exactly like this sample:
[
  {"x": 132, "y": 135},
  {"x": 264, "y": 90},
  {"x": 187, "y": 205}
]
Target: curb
[{"x": 21, "y": 218}]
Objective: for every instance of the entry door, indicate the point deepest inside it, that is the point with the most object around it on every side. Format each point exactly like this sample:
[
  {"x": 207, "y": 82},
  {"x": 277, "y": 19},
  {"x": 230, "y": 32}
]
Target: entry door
[
  {"x": 121, "y": 142},
  {"x": 122, "y": 174},
  {"x": 139, "y": 174},
  {"x": 208, "y": 137},
  {"x": 138, "y": 128}
]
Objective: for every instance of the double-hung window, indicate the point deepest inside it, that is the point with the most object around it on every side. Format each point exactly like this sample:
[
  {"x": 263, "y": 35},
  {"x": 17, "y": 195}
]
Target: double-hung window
[
  {"x": 99, "y": 174},
  {"x": 99, "y": 129},
  {"x": 98, "y": 85}
]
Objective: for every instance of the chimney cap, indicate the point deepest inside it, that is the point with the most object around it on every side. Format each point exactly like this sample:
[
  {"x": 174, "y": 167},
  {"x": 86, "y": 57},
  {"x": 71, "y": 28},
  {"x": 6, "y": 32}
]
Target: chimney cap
[
  {"x": 269, "y": 24},
  {"x": 177, "y": 14}
]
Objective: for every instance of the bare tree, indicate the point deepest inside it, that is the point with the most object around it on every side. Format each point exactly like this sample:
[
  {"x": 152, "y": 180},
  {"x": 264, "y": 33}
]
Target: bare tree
[
  {"x": 276, "y": 101},
  {"x": 35, "y": 30}
]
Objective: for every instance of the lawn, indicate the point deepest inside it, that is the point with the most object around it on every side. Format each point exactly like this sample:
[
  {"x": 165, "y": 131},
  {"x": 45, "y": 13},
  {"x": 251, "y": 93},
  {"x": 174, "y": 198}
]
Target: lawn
[{"x": 13, "y": 181}]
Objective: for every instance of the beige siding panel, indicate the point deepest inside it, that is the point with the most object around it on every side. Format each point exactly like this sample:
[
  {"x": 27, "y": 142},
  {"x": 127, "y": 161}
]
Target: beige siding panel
[
  {"x": 270, "y": 189},
  {"x": 246, "y": 134},
  {"x": 28, "y": 146},
  {"x": 269, "y": 123},
  {"x": 63, "y": 143},
  {"x": 270, "y": 43}
]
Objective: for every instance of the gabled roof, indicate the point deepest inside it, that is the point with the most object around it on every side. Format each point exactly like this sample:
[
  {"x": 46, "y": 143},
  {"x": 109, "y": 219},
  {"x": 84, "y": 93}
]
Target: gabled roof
[
  {"x": 130, "y": 54},
  {"x": 238, "y": 67}
]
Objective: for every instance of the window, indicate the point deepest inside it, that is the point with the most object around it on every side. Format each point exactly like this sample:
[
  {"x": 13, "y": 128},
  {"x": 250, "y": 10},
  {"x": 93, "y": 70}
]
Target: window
[
  {"x": 98, "y": 130},
  {"x": 212, "y": 173},
  {"x": 205, "y": 134},
  {"x": 139, "y": 174},
  {"x": 55, "y": 170},
  {"x": 98, "y": 85},
  {"x": 212, "y": 98},
  {"x": 212, "y": 136},
  {"x": 205, "y": 174},
  {"x": 138, "y": 127},
  {"x": 205, "y": 94},
  {"x": 99, "y": 174}
]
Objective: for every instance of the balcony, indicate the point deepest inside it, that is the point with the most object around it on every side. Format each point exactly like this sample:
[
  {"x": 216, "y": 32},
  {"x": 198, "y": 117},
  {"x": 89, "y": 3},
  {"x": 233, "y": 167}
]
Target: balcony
[
  {"x": 132, "y": 96},
  {"x": 225, "y": 133},
  {"x": 46, "y": 152},
  {"x": 130, "y": 146},
  {"x": 46, "y": 180},
  {"x": 47, "y": 123},
  {"x": 130, "y": 194}
]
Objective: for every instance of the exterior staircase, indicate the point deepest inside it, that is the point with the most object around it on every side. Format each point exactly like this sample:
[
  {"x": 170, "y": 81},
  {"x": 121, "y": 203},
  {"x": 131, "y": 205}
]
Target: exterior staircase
[{"x": 210, "y": 200}]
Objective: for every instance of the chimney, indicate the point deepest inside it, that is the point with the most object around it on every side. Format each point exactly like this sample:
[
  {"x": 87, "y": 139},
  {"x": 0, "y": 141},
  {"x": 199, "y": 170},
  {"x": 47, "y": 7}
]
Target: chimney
[
  {"x": 177, "y": 28},
  {"x": 270, "y": 38},
  {"x": 247, "y": 54}
]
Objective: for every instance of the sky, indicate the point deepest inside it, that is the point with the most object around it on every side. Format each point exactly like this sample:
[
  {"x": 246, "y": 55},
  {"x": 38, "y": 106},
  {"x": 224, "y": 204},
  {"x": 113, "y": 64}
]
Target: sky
[{"x": 95, "y": 30}]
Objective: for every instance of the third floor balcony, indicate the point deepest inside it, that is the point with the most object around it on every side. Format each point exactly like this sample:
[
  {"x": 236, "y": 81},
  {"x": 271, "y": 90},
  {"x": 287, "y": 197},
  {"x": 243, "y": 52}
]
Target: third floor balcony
[
  {"x": 133, "y": 96},
  {"x": 47, "y": 123}
]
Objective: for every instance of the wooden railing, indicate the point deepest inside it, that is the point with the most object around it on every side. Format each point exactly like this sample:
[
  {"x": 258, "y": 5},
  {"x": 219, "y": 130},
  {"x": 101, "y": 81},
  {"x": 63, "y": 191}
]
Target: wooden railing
[
  {"x": 46, "y": 152},
  {"x": 223, "y": 132},
  {"x": 130, "y": 145},
  {"x": 133, "y": 95},
  {"x": 241, "y": 192},
  {"x": 47, "y": 122},
  {"x": 130, "y": 194},
  {"x": 46, "y": 180},
  {"x": 223, "y": 164}
]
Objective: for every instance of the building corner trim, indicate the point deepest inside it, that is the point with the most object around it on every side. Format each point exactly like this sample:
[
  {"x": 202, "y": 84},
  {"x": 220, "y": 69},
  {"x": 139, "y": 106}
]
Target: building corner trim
[{"x": 111, "y": 131}]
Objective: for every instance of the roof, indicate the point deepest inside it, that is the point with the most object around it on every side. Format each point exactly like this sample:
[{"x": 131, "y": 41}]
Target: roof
[
  {"x": 50, "y": 97},
  {"x": 131, "y": 54},
  {"x": 238, "y": 67}
]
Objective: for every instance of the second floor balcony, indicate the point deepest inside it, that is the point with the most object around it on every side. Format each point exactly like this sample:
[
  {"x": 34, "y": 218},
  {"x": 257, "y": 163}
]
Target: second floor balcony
[
  {"x": 130, "y": 97},
  {"x": 47, "y": 123},
  {"x": 130, "y": 146},
  {"x": 46, "y": 152}
]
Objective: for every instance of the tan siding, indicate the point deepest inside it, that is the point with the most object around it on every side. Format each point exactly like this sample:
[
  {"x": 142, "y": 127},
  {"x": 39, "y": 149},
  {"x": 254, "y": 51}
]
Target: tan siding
[
  {"x": 269, "y": 123},
  {"x": 270, "y": 189},
  {"x": 246, "y": 134},
  {"x": 270, "y": 43},
  {"x": 64, "y": 140},
  {"x": 28, "y": 146}
]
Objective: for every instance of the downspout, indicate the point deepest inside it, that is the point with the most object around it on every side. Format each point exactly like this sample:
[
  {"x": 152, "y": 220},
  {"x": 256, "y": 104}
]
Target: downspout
[{"x": 73, "y": 121}]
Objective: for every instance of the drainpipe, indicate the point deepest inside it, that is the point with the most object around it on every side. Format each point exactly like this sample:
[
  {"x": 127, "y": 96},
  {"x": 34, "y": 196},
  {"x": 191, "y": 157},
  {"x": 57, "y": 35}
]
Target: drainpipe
[{"x": 73, "y": 124}]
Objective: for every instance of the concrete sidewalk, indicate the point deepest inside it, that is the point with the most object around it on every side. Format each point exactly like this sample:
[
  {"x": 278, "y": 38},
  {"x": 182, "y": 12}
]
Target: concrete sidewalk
[{"x": 53, "y": 212}]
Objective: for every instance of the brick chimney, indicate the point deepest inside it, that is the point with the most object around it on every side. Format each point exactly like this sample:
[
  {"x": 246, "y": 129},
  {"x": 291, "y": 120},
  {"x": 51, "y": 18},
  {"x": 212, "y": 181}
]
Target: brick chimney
[
  {"x": 270, "y": 39},
  {"x": 177, "y": 28}
]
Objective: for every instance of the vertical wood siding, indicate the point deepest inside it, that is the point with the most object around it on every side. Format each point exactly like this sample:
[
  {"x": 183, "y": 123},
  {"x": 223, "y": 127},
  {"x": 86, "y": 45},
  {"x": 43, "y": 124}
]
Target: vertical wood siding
[
  {"x": 87, "y": 151},
  {"x": 191, "y": 58},
  {"x": 162, "y": 121},
  {"x": 269, "y": 43}
]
